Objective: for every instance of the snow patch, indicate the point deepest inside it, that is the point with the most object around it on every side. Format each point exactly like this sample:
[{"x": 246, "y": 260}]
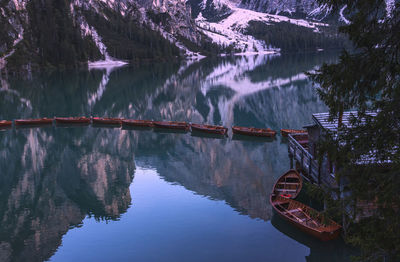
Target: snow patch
[
  {"x": 231, "y": 30},
  {"x": 390, "y": 5},
  {"x": 19, "y": 4},
  {"x": 107, "y": 63},
  {"x": 170, "y": 37},
  {"x": 91, "y": 31},
  {"x": 322, "y": 10},
  {"x": 3, "y": 61},
  {"x": 108, "y": 60},
  {"x": 342, "y": 18}
]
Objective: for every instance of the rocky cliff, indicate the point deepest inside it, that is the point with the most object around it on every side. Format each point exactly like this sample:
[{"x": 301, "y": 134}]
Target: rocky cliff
[
  {"x": 288, "y": 7},
  {"x": 215, "y": 10},
  {"x": 64, "y": 33},
  {"x": 61, "y": 33}
]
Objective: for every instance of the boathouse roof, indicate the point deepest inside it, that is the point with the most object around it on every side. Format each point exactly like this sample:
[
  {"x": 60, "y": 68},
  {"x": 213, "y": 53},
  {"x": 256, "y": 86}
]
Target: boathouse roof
[{"x": 322, "y": 120}]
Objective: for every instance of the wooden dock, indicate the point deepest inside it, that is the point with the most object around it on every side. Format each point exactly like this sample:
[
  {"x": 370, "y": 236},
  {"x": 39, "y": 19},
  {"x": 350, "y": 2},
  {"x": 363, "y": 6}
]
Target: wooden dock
[{"x": 309, "y": 167}]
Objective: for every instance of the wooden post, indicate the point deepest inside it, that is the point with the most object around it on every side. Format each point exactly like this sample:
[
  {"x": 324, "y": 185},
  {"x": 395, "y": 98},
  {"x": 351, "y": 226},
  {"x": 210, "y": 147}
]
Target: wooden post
[
  {"x": 340, "y": 120},
  {"x": 294, "y": 152},
  {"x": 319, "y": 173},
  {"x": 291, "y": 161},
  {"x": 298, "y": 168},
  {"x": 302, "y": 160}
]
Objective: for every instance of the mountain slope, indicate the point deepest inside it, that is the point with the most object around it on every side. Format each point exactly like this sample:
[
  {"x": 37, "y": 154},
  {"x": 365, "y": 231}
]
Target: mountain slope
[
  {"x": 288, "y": 7},
  {"x": 62, "y": 33},
  {"x": 248, "y": 31}
]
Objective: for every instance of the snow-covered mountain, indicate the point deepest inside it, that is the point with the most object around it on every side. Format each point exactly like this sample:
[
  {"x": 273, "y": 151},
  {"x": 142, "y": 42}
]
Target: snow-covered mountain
[
  {"x": 227, "y": 22},
  {"x": 213, "y": 10},
  {"x": 288, "y": 7},
  {"x": 233, "y": 29},
  {"x": 103, "y": 32}
]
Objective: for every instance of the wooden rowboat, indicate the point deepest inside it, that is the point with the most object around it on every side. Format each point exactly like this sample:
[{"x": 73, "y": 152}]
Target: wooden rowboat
[
  {"x": 72, "y": 120},
  {"x": 305, "y": 218},
  {"x": 172, "y": 125},
  {"x": 301, "y": 216},
  {"x": 220, "y": 130},
  {"x": 29, "y": 122},
  {"x": 288, "y": 185},
  {"x": 138, "y": 123},
  {"x": 252, "y": 131},
  {"x": 106, "y": 121},
  {"x": 302, "y": 139},
  {"x": 286, "y": 132},
  {"x": 5, "y": 124}
]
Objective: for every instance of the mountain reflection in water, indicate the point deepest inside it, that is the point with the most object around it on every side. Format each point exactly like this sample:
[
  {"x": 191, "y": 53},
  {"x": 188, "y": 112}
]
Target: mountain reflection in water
[{"x": 52, "y": 178}]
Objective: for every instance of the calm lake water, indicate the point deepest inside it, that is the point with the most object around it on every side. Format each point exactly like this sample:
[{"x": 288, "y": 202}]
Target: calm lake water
[{"x": 107, "y": 194}]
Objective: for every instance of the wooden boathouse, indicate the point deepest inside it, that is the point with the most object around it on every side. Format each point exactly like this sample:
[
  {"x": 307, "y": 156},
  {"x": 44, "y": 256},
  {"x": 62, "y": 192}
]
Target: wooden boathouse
[
  {"x": 302, "y": 152},
  {"x": 302, "y": 148}
]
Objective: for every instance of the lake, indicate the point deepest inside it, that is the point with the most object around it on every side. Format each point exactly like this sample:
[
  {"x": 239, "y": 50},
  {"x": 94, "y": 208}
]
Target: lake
[{"x": 109, "y": 194}]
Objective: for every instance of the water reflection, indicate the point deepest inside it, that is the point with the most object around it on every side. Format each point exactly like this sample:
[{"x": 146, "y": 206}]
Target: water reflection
[
  {"x": 52, "y": 178},
  {"x": 318, "y": 250},
  {"x": 220, "y": 90}
]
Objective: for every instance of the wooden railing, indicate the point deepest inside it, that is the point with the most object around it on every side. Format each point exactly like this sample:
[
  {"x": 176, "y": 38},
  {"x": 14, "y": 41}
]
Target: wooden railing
[
  {"x": 303, "y": 157},
  {"x": 307, "y": 162}
]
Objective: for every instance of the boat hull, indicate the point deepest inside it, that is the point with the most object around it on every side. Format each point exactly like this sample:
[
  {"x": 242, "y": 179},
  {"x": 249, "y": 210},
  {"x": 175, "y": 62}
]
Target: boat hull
[
  {"x": 288, "y": 185},
  {"x": 5, "y": 124},
  {"x": 72, "y": 120},
  {"x": 253, "y": 132},
  {"x": 330, "y": 233},
  {"x": 219, "y": 130},
  {"x": 138, "y": 123},
  {"x": 323, "y": 236},
  {"x": 107, "y": 121},
  {"x": 172, "y": 125},
  {"x": 308, "y": 220},
  {"x": 286, "y": 132},
  {"x": 33, "y": 122}
]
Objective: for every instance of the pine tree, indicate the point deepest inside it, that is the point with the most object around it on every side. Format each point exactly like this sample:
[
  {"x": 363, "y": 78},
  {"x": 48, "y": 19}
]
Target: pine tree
[{"x": 368, "y": 79}]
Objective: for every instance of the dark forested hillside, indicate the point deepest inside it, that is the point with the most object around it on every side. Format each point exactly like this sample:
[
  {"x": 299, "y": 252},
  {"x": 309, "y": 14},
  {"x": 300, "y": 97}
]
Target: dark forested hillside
[
  {"x": 127, "y": 39},
  {"x": 209, "y": 11},
  {"x": 65, "y": 34},
  {"x": 289, "y": 37},
  {"x": 53, "y": 37}
]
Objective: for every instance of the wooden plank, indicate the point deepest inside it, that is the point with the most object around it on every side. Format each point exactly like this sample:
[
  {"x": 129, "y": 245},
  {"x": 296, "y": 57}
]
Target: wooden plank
[
  {"x": 290, "y": 214},
  {"x": 291, "y": 211},
  {"x": 284, "y": 190}
]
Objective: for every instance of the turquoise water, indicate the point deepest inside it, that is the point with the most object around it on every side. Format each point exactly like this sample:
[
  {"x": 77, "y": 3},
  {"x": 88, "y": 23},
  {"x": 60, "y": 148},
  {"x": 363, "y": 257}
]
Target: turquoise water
[{"x": 107, "y": 194}]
